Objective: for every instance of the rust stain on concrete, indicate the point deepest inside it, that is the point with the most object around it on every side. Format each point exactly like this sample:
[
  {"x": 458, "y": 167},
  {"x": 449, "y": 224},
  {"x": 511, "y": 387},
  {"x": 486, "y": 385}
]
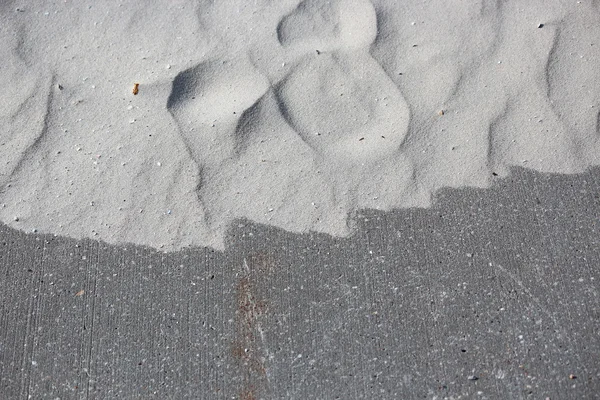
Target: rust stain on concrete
[{"x": 249, "y": 348}]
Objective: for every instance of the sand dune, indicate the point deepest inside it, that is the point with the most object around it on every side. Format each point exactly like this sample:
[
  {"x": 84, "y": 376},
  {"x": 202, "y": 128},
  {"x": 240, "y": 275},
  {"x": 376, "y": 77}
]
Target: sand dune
[{"x": 289, "y": 113}]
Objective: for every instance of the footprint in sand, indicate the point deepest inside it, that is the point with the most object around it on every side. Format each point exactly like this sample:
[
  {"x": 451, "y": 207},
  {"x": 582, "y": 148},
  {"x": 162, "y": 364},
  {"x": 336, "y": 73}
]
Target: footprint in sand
[
  {"x": 338, "y": 98},
  {"x": 338, "y": 101},
  {"x": 208, "y": 101}
]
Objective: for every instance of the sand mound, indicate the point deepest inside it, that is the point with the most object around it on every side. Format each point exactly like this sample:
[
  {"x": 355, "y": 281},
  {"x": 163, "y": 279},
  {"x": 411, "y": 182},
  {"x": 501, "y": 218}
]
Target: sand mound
[{"x": 290, "y": 113}]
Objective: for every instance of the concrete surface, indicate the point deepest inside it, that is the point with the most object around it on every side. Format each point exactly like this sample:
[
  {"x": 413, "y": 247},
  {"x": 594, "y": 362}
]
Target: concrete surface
[{"x": 491, "y": 294}]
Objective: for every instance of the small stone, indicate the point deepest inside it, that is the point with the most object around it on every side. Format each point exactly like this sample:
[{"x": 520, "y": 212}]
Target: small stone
[
  {"x": 16, "y": 219},
  {"x": 472, "y": 378},
  {"x": 572, "y": 376},
  {"x": 540, "y": 25}
]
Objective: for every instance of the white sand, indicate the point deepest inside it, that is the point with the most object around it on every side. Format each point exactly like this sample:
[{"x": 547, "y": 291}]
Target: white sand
[{"x": 285, "y": 113}]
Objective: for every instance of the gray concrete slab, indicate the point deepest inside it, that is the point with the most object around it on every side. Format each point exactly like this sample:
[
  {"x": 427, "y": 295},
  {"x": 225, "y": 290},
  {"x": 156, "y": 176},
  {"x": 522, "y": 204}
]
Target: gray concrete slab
[{"x": 490, "y": 294}]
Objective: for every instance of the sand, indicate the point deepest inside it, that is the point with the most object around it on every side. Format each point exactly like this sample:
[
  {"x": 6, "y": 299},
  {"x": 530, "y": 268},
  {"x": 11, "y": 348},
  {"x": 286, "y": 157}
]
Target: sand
[{"x": 293, "y": 114}]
